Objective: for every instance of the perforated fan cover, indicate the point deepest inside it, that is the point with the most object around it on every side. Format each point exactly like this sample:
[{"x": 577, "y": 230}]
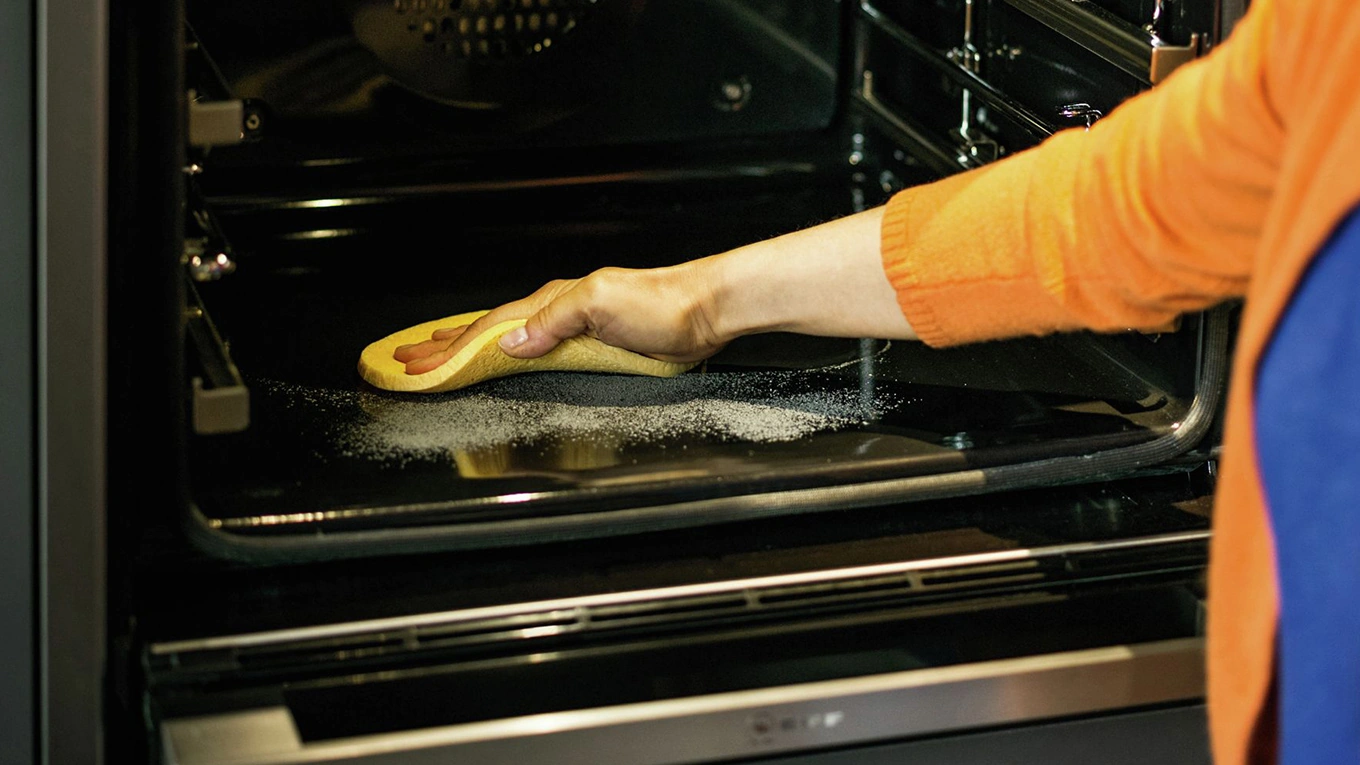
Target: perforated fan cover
[{"x": 494, "y": 54}]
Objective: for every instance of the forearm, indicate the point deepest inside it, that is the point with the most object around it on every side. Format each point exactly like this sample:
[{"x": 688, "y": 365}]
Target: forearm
[{"x": 825, "y": 280}]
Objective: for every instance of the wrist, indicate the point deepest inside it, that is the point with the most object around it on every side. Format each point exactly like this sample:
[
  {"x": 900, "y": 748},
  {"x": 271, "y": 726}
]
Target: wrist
[
  {"x": 708, "y": 299},
  {"x": 729, "y": 301}
]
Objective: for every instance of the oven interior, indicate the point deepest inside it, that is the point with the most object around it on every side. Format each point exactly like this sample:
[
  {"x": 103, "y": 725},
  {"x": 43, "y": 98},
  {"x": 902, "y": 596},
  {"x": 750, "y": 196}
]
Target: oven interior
[
  {"x": 304, "y": 178},
  {"x": 409, "y": 160}
]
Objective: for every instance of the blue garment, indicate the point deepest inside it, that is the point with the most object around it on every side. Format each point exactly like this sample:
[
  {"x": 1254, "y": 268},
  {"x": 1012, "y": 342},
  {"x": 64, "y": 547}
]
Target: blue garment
[{"x": 1308, "y": 442}]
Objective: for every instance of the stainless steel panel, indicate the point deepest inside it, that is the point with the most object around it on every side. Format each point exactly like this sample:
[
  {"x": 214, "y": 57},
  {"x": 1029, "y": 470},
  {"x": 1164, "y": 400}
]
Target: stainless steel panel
[
  {"x": 1175, "y": 736},
  {"x": 72, "y": 77},
  {"x": 747, "y": 723}
]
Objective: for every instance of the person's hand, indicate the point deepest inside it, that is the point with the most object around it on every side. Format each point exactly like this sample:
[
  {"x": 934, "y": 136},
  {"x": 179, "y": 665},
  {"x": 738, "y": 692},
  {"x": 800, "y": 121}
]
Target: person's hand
[{"x": 665, "y": 313}]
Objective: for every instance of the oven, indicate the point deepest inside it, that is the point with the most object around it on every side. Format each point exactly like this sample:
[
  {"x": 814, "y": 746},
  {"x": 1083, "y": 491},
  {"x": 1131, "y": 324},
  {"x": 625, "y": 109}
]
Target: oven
[{"x": 806, "y": 550}]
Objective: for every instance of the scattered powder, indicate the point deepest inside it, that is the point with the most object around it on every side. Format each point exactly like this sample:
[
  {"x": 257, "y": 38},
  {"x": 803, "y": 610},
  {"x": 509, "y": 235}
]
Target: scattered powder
[{"x": 753, "y": 407}]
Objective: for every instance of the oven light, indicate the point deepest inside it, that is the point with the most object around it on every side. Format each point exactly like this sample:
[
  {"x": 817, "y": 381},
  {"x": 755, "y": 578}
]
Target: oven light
[
  {"x": 545, "y": 630},
  {"x": 310, "y": 203},
  {"x": 320, "y": 233}
]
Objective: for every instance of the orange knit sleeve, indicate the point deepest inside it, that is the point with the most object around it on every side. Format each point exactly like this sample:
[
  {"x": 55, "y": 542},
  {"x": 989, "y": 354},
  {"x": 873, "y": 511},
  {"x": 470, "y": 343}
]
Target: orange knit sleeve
[{"x": 1153, "y": 212}]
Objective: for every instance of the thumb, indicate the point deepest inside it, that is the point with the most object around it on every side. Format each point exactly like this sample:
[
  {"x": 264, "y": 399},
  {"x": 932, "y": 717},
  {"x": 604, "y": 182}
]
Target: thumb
[{"x": 545, "y": 330}]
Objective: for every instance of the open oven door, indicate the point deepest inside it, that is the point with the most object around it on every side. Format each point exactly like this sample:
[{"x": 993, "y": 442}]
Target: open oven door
[{"x": 908, "y": 637}]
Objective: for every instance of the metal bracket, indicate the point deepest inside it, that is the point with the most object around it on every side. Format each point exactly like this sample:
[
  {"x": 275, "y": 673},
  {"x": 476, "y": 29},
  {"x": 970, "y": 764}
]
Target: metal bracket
[
  {"x": 220, "y": 399},
  {"x": 216, "y": 123},
  {"x": 1083, "y": 111},
  {"x": 975, "y": 148},
  {"x": 224, "y": 122},
  {"x": 1166, "y": 58}
]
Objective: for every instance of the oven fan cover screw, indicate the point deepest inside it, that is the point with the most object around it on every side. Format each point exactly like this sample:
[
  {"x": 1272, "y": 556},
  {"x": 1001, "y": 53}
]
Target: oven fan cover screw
[{"x": 732, "y": 95}]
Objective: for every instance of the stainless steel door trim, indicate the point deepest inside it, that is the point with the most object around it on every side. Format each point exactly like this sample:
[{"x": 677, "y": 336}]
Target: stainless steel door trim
[
  {"x": 745, "y": 723},
  {"x": 417, "y": 621},
  {"x": 71, "y": 64}
]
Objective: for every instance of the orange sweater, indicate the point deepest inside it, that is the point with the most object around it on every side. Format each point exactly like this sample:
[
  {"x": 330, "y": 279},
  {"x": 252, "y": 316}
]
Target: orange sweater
[{"x": 1222, "y": 182}]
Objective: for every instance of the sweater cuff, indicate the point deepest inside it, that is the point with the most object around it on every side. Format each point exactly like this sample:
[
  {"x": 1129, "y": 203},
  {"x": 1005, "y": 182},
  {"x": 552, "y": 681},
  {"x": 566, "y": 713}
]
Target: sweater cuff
[
  {"x": 894, "y": 250},
  {"x": 964, "y": 262}
]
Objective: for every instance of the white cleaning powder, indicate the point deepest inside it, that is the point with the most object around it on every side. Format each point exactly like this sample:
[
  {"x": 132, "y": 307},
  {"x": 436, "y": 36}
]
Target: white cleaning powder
[{"x": 753, "y": 407}]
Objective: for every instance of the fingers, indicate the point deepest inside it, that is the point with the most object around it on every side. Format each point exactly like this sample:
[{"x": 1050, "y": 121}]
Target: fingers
[
  {"x": 428, "y": 363},
  {"x": 408, "y": 353},
  {"x": 449, "y": 333},
  {"x": 445, "y": 343}
]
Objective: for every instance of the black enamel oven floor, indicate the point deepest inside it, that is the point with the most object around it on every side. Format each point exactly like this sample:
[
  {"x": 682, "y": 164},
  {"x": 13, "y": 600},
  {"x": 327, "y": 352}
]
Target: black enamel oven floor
[{"x": 327, "y": 452}]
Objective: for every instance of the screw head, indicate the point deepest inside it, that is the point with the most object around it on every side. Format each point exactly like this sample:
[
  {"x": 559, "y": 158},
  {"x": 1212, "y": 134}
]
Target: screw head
[{"x": 732, "y": 94}]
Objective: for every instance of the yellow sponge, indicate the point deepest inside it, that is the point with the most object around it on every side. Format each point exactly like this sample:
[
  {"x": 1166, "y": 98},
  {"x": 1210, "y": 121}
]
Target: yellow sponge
[{"x": 483, "y": 359}]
